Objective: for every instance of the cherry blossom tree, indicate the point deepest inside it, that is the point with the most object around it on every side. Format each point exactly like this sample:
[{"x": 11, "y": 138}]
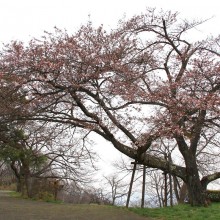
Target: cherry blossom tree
[{"x": 143, "y": 81}]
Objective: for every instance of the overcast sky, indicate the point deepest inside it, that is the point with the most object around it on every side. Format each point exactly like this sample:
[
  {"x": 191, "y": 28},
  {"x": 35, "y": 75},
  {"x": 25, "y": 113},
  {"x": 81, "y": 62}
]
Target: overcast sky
[{"x": 24, "y": 19}]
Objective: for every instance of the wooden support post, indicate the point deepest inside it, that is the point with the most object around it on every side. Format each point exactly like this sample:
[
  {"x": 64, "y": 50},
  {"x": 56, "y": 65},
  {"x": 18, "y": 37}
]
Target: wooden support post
[
  {"x": 165, "y": 190},
  {"x": 165, "y": 184},
  {"x": 143, "y": 186},
  {"x": 171, "y": 189},
  {"x": 131, "y": 184},
  {"x": 170, "y": 181}
]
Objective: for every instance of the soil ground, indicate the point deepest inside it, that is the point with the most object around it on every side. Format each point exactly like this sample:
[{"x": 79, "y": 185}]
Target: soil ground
[{"x": 20, "y": 209}]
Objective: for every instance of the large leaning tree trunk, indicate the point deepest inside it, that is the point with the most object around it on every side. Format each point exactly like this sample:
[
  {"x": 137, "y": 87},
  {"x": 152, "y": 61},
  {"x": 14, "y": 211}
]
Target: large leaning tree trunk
[
  {"x": 133, "y": 86},
  {"x": 197, "y": 195},
  {"x": 196, "y": 192}
]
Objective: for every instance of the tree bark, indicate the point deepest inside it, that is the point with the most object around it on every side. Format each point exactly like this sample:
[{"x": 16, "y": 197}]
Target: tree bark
[
  {"x": 176, "y": 187},
  {"x": 196, "y": 192},
  {"x": 183, "y": 193},
  {"x": 209, "y": 178}
]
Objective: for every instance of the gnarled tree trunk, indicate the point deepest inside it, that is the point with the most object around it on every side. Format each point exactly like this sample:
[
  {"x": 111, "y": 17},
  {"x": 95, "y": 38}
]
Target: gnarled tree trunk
[{"x": 196, "y": 192}]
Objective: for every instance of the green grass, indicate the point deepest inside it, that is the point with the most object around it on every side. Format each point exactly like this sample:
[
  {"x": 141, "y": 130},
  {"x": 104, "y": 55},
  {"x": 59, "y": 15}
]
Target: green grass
[
  {"x": 44, "y": 199},
  {"x": 18, "y": 208},
  {"x": 181, "y": 212},
  {"x": 15, "y": 194}
]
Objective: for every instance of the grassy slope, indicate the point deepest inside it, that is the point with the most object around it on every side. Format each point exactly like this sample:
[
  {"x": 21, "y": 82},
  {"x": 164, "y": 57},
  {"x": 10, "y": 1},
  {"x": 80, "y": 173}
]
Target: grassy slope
[
  {"x": 181, "y": 212},
  {"x": 13, "y": 207}
]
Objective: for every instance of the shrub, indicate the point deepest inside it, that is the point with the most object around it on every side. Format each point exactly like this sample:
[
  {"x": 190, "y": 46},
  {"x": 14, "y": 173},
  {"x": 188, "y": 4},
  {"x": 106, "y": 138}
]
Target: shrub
[
  {"x": 45, "y": 196},
  {"x": 213, "y": 195}
]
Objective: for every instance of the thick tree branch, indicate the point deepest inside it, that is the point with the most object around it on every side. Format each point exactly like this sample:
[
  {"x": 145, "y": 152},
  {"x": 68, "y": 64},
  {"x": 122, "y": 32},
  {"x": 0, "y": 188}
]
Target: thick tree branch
[{"x": 209, "y": 178}]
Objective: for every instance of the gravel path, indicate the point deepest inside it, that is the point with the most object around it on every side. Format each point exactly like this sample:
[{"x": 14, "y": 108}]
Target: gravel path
[{"x": 21, "y": 209}]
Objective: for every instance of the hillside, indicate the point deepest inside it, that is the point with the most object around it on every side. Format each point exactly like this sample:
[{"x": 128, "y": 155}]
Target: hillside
[{"x": 20, "y": 209}]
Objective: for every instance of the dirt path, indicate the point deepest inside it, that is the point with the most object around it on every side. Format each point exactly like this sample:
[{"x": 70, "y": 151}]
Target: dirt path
[{"x": 20, "y": 209}]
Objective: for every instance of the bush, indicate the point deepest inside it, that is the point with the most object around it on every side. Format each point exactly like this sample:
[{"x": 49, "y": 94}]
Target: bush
[
  {"x": 213, "y": 195},
  {"x": 45, "y": 196},
  {"x": 11, "y": 187}
]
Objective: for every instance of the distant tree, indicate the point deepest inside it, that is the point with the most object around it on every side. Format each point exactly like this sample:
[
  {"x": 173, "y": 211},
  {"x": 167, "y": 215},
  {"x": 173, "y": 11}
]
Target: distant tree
[
  {"x": 115, "y": 188},
  {"x": 143, "y": 81},
  {"x": 34, "y": 152},
  {"x": 86, "y": 194},
  {"x": 7, "y": 177},
  {"x": 14, "y": 151}
]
